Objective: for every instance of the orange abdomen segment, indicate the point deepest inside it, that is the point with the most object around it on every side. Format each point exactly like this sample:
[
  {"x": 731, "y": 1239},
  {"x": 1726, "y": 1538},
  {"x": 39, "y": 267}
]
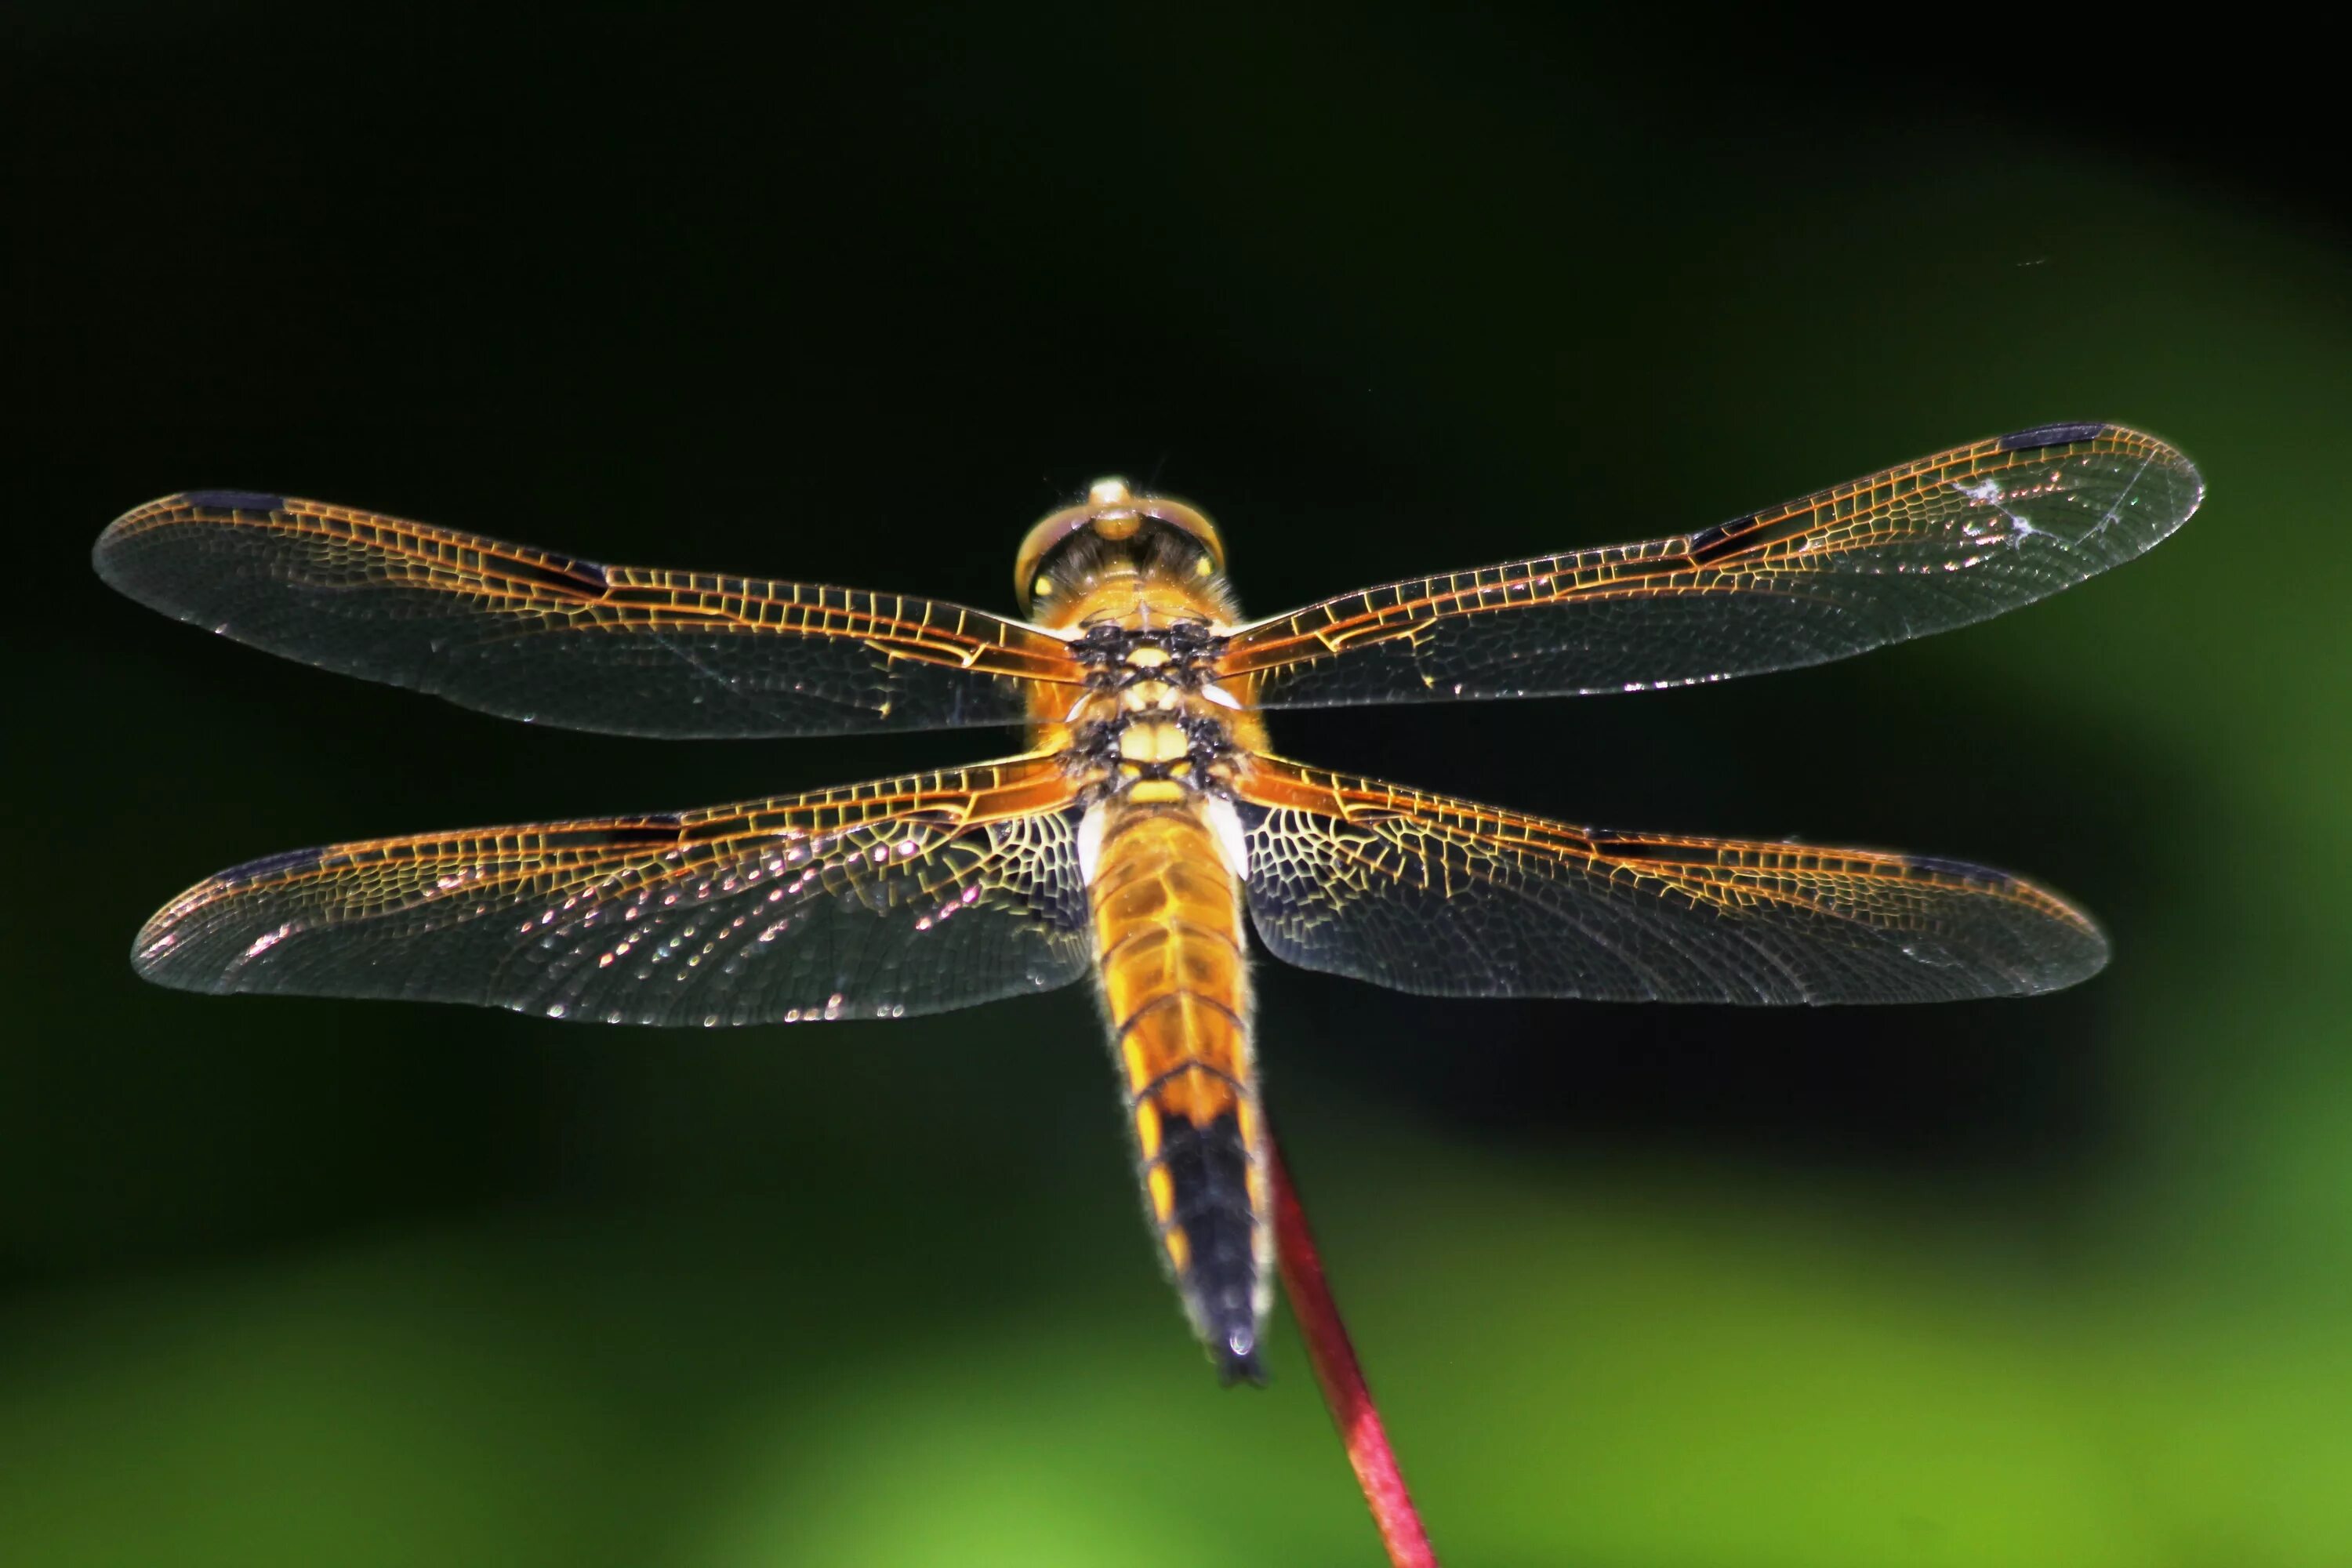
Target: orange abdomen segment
[{"x": 1175, "y": 986}]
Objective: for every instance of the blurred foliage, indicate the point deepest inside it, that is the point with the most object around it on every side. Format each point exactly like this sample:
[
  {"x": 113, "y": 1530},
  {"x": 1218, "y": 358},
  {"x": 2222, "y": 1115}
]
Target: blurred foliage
[{"x": 2055, "y": 1283}]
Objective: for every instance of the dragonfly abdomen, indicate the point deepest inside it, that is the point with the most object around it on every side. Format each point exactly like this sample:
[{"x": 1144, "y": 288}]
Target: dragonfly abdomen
[{"x": 1175, "y": 990}]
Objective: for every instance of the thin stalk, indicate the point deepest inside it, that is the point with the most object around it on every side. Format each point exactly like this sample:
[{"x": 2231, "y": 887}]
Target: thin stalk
[{"x": 1344, "y": 1389}]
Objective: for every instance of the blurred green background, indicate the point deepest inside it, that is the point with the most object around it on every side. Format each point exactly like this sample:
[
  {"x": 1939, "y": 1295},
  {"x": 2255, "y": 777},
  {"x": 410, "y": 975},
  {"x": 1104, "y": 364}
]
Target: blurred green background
[{"x": 2066, "y": 1283}]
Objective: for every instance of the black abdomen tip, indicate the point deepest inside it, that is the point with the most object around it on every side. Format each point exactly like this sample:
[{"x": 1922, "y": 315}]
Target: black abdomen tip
[
  {"x": 1238, "y": 1358},
  {"x": 1209, "y": 1192},
  {"x": 2050, "y": 436},
  {"x": 234, "y": 500}
]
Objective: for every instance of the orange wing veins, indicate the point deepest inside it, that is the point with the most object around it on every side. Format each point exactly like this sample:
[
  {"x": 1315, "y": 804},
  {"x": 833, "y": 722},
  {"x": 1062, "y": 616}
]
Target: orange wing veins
[
  {"x": 1918, "y": 548},
  {"x": 1446, "y": 897},
  {"x": 905, "y": 895},
  {"x": 533, "y": 634}
]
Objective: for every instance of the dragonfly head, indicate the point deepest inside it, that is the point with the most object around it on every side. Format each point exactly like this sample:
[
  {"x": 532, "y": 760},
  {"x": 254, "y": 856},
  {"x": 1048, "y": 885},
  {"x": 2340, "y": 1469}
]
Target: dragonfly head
[{"x": 1114, "y": 527}]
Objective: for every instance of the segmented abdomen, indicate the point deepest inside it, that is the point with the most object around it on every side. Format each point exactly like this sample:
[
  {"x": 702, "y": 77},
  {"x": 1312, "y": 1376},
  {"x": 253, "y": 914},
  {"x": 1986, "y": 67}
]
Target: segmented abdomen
[{"x": 1175, "y": 985}]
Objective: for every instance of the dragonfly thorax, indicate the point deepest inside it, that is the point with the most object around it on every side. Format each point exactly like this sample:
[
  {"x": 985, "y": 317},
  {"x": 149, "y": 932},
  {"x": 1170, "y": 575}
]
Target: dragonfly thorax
[{"x": 1152, "y": 728}]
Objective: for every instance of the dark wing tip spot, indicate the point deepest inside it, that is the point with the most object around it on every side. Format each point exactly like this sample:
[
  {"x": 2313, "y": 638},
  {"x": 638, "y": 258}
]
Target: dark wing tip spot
[
  {"x": 234, "y": 500},
  {"x": 2051, "y": 436},
  {"x": 269, "y": 866},
  {"x": 565, "y": 573},
  {"x": 1708, "y": 538},
  {"x": 1966, "y": 869},
  {"x": 590, "y": 573}
]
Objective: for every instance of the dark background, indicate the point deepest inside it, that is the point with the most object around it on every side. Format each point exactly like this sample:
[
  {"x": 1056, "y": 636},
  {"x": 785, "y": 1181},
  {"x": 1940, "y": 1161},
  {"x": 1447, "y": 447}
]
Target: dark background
[{"x": 1386, "y": 291}]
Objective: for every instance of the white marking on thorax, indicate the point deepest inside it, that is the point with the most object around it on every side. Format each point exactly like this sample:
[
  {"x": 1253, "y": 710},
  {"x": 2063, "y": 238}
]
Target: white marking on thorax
[
  {"x": 1232, "y": 842},
  {"x": 1091, "y": 842}
]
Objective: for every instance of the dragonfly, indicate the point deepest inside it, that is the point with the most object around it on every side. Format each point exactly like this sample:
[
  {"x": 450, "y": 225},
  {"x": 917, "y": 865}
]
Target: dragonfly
[{"x": 1146, "y": 823}]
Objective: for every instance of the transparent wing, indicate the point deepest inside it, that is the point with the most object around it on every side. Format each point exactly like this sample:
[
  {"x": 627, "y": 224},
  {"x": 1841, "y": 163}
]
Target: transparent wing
[
  {"x": 530, "y": 634},
  {"x": 1920, "y": 548},
  {"x": 1447, "y": 899},
  {"x": 905, "y": 896}
]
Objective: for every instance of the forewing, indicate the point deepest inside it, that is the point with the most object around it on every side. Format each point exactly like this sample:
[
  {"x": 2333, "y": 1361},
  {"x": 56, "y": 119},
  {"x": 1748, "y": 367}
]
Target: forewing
[
  {"x": 1920, "y": 548},
  {"x": 905, "y": 896},
  {"x": 530, "y": 634},
  {"x": 1444, "y": 898}
]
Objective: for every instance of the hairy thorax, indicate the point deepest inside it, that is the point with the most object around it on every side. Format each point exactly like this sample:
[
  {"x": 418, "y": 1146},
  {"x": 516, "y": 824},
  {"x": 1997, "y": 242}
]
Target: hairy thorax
[{"x": 1151, "y": 727}]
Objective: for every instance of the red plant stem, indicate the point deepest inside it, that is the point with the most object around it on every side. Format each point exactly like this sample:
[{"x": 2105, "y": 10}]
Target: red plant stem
[{"x": 1344, "y": 1390}]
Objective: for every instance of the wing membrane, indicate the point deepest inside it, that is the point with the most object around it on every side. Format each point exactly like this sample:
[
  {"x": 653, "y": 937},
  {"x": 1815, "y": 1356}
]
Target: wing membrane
[
  {"x": 530, "y": 634},
  {"x": 905, "y": 896},
  {"x": 1444, "y": 897},
  {"x": 1922, "y": 547}
]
